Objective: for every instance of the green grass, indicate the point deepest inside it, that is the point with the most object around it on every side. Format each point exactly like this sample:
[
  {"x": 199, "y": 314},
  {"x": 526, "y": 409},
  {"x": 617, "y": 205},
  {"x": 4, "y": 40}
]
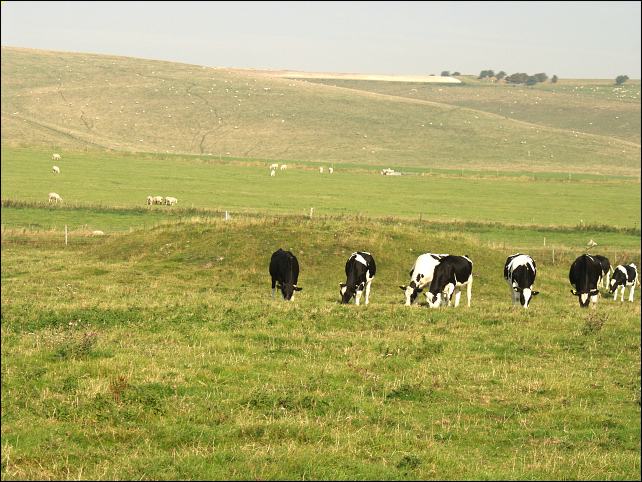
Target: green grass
[
  {"x": 64, "y": 101},
  {"x": 159, "y": 354},
  {"x": 118, "y": 180},
  {"x": 578, "y": 105}
]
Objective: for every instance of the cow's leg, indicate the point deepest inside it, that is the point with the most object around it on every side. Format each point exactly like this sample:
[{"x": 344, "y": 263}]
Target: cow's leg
[
  {"x": 457, "y": 296},
  {"x": 469, "y": 289},
  {"x": 357, "y": 297},
  {"x": 368, "y": 292},
  {"x": 631, "y": 292},
  {"x": 273, "y": 285},
  {"x": 594, "y": 301},
  {"x": 615, "y": 294},
  {"x": 622, "y": 293}
]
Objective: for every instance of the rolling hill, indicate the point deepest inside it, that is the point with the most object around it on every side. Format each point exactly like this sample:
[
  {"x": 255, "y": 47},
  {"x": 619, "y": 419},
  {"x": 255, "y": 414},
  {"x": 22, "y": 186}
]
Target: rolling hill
[{"x": 74, "y": 101}]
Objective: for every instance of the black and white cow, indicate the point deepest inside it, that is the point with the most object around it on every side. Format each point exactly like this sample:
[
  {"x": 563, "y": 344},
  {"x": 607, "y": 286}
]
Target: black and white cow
[
  {"x": 584, "y": 275},
  {"x": 421, "y": 275},
  {"x": 449, "y": 276},
  {"x": 360, "y": 270},
  {"x": 604, "y": 281},
  {"x": 284, "y": 270},
  {"x": 623, "y": 276},
  {"x": 519, "y": 273}
]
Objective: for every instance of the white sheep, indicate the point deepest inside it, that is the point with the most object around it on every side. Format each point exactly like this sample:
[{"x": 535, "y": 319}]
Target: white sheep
[
  {"x": 283, "y": 167},
  {"x": 157, "y": 200},
  {"x": 150, "y": 200},
  {"x": 56, "y": 157},
  {"x": 330, "y": 170},
  {"x": 54, "y": 197},
  {"x": 170, "y": 201},
  {"x": 272, "y": 173},
  {"x": 55, "y": 170},
  {"x": 321, "y": 170},
  {"x": 274, "y": 166},
  {"x": 98, "y": 232}
]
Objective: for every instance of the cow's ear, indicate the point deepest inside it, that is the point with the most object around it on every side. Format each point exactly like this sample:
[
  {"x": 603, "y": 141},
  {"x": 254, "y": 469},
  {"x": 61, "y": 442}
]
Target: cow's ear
[
  {"x": 515, "y": 289},
  {"x": 403, "y": 288},
  {"x": 534, "y": 293},
  {"x": 574, "y": 292},
  {"x": 341, "y": 285},
  {"x": 297, "y": 288}
]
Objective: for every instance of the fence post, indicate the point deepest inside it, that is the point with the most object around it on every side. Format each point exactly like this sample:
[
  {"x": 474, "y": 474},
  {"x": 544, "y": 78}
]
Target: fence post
[
  {"x": 553, "y": 255},
  {"x": 311, "y": 211},
  {"x": 65, "y": 235}
]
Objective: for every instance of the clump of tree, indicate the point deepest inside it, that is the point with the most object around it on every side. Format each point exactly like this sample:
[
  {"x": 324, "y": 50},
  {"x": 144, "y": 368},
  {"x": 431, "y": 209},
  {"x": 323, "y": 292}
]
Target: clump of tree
[
  {"x": 620, "y": 79},
  {"x": 445, "y": 73},
  {"x": 517, "y": 78},
  {"x": 500, "y": 75},
  {"x": 455, "y": 74},
  {"x": 541, "y": 77},
  {"x": 486, "y": 73},
  {"x": 554, "y": 79},
  {"x": 524, "y": 78}
]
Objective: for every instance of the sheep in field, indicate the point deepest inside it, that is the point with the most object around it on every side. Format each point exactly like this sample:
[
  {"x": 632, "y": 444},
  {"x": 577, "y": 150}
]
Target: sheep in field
[{"x": 54, "y": 197}]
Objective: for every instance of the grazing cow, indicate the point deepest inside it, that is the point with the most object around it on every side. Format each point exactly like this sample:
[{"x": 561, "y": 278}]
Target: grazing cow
[
  {"x": 272, "y": 173},
  {"x": 330, "y": 170},
  {"x": 150, "y": 200},
  {"x": 54, "y": 197},
  {"x": 623, "y": 276},
  {"x": 321, "y": 170},
  {"x": 56, "y": 157},
  {"x": 519, "y": 273},
  {"x": 584, "y": 275},
  {"x": 449, "y": 276},
  {"x": 421, "y": 275},
  {"x": 170, "y": 201},
  {"x": 284, "y": 270},
  {"x": 606, "y": 271},
  {"x": 360, "y": 271},
  {"x": 55, "y": 170},
  {"x": 283, "y": 167},
  {"x": 157, "y": 200}
]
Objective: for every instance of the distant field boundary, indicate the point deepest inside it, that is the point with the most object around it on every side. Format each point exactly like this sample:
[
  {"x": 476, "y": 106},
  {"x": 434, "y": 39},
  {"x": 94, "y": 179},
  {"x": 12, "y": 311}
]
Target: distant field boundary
[
  {"x": 428, "y": 79},
  {"x": 183, "y": 213}
]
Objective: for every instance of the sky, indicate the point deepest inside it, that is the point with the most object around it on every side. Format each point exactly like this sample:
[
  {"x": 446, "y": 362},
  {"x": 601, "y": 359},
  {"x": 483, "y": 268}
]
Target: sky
[{"x": 568, "y": 39}]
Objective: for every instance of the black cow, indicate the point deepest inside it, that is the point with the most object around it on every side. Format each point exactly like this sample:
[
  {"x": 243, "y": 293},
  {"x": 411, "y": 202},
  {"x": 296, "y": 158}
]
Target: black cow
[
  {"x": 360, "y": 270},
  {"x": 604, "y": 281},
  {"x": 519, "y": 273},
  {"x": 584, "y": 275},
  {"x": 284, "y": 270},
  {"x": 450, "y": 274},
  {"x": 623, "y": 276}
]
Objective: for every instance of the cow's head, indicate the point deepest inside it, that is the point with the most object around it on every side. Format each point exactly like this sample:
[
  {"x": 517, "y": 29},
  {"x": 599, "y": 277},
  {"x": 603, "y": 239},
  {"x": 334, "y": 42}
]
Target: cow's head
[
  {"x": 411, "y": 292},
  {"x": 617, "y": 280},
  {"x": 288, "y": 289},
  {"x": 525, "y": 295},
  {"x": 584, "y": 298}
]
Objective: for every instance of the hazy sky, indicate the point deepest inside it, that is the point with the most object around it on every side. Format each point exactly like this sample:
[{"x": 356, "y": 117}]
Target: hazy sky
[{"x": 570, "y": 39}]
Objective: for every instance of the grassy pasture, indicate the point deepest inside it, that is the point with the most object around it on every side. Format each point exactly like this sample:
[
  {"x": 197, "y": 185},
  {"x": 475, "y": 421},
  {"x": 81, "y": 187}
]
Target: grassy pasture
[
  {"x": 592, "y": 106},
  {"x": 112, "y": 179},
  {"x": 63, "y": 100},
  {"x": 159, "y": 354}
]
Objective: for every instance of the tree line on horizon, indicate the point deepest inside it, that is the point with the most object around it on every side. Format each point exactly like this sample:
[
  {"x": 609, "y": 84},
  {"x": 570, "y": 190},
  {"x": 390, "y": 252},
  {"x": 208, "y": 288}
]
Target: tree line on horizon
[{"x": 522, "y": 77}]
